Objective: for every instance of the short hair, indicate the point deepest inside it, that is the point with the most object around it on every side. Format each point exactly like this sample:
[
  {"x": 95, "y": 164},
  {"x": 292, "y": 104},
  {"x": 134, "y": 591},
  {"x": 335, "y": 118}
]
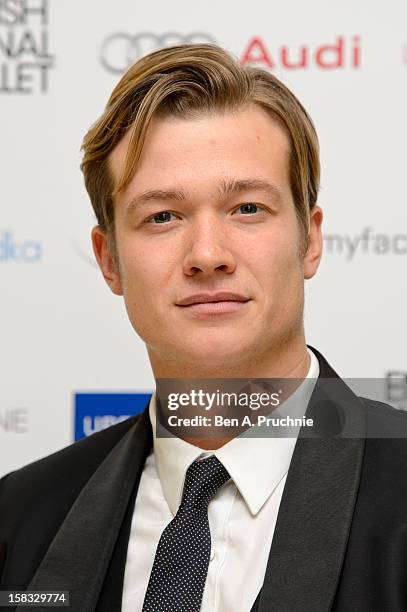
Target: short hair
[{"x": 185, "y": 81}]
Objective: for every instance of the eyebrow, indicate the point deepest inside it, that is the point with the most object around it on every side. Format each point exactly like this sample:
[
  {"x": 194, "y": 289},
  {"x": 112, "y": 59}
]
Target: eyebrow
[
  {"x": 154, "y": 194},
  {"x": 226, "y": 188},
  {"x": 232, "y": 187}
]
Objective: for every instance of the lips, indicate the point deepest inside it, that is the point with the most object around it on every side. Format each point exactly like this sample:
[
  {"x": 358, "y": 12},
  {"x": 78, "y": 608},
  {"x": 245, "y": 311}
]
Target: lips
[{"x": 205, "y": 298}]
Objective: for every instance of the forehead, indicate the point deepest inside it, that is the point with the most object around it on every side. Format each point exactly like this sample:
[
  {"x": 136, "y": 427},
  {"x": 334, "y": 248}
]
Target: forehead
[{"x": 205, "y": 150}]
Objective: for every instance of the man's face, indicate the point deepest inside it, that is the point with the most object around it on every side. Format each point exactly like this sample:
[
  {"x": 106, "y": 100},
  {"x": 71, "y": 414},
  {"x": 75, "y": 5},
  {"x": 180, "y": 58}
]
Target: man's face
[{"x": 208, "y": 211}]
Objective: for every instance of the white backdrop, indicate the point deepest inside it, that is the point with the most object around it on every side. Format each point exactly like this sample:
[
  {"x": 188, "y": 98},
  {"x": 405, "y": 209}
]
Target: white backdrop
[{"x": 61, "y": 331}]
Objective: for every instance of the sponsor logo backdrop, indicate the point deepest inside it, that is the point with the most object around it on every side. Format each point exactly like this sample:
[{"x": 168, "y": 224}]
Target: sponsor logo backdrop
[{"x": 63, "y": 335}]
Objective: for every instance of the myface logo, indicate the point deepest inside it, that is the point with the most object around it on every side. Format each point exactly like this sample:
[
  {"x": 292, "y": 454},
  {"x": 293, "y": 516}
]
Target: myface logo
[
  {"x": 368, "y": 242},
  {"x": 121, "y": 49},
  {"x": 96, "y": 411},
  {"x": 13, "y": 251},
  {"x": 25, "y": 58},
  {"x": 341, "y": 53}
]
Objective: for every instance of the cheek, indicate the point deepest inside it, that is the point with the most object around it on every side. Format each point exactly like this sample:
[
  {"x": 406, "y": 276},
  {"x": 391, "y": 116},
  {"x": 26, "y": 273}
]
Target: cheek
[
  {"x": 278, "y": 266},
  {"x": 144, "y": 276}
]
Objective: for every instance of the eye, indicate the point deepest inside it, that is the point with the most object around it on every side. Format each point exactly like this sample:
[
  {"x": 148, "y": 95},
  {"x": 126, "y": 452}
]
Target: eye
[
  {"x": 160, "y": 218},
  {"x": 249, "y": 208}
]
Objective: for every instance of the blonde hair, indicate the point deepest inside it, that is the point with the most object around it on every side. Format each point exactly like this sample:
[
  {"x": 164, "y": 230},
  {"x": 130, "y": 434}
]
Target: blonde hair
[{"x": 185, "y": 81}]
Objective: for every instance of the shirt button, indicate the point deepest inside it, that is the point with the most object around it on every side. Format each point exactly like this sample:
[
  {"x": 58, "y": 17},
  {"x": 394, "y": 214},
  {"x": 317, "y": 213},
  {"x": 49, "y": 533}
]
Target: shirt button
[{"x": 212, "y": 555}]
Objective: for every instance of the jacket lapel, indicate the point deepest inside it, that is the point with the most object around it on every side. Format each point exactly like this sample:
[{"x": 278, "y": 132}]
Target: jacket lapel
[
  {"x": 316, "y": 509},
  {"x": 78, "y": 557}
]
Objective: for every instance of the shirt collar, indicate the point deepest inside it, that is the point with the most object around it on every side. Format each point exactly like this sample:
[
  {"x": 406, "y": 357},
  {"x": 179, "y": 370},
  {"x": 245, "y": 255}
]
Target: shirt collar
[{"x": 256, "y": 465}]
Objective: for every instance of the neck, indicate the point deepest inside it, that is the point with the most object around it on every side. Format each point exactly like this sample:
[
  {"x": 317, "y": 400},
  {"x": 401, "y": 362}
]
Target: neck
[{"x": 288, "y": 361}]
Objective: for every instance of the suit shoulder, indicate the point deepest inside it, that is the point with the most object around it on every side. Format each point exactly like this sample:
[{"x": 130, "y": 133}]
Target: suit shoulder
[
  {"x": 386, "y": 451},
  {"x": 35, "y": 500},
  {"x": 385, "y": 421},
  {"x": 70, "y": 466}
]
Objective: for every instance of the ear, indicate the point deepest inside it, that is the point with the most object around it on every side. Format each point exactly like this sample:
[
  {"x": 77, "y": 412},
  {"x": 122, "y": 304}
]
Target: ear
[
  {"x": 314, "y": 252},
  {"x": 105, "y": 260}
]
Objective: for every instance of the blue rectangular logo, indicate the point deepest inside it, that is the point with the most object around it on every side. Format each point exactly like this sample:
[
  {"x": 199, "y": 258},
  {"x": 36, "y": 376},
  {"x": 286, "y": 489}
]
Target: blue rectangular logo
[{"x": 96, "y": 411}]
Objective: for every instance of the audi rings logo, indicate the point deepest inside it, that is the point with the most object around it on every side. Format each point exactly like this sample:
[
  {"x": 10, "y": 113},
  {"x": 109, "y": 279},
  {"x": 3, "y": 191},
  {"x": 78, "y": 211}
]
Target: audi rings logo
[{"x": 122, "y": 49}]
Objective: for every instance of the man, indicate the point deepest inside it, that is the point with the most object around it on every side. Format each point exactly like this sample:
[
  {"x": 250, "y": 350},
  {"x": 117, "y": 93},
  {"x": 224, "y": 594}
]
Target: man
[{"x": 204, "y": 178}]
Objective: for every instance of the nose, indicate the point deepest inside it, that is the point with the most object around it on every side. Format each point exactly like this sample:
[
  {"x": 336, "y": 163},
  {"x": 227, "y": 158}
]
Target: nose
[{"x": 209, "y": 249}]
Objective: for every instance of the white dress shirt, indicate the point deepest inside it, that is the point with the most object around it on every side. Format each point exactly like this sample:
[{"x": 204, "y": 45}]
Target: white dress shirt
[{"x": 242, "y": 515}]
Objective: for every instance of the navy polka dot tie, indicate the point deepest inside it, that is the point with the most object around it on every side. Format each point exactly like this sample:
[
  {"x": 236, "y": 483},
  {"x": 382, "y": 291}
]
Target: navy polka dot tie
[{"x": 181, "y": 561}]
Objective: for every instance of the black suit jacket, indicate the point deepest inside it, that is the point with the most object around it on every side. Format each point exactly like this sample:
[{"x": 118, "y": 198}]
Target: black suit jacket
[{"x": 340, "y": 541}]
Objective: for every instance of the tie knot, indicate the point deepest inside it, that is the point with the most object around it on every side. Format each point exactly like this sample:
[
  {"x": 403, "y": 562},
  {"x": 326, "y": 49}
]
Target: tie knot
[{"x": 202, "y": 480}]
